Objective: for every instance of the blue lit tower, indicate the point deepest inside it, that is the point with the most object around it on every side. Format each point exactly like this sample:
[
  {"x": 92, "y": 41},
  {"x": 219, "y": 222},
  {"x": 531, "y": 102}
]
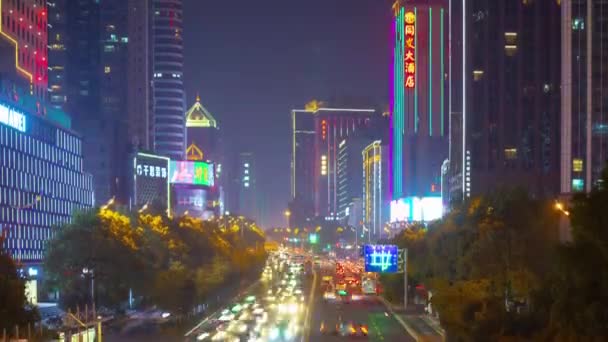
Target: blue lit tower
[
  {"x": 419, "y": 121},
  {"x": 167, "y": 84}
]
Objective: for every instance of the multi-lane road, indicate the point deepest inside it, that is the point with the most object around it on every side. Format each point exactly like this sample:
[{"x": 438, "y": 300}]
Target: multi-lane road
[{"x": 290, "y": 304}]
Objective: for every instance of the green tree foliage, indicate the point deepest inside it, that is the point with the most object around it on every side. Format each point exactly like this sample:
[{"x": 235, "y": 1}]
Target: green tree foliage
[
  {"x": 579, "y": 287},
  {"x": 170, "y": 262},
  {"x": 13, "y": 304},
  {"x": 485, "y": 262}
]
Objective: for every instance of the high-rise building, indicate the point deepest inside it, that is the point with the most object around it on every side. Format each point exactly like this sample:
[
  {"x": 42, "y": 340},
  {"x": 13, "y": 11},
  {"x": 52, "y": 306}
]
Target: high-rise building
[
  {"x": 420, "y": 97},
  {"x": 375, "y": 187},
  {"x": 90, "y": 71},
  {"x": 302, "y": 166},
  {"x": 246, "y": 186},
  {"x": 505, "y": 96},
  {"x": 23, "y": 27},
  {"x": 168, "y": 96},
  {"x": 584, "y": 86},
  {"x": 202, "y": 132},
  {"x": 57, "y": 24},
  {"x": 350, "y": 177},
  {"x": 332, "y": 126},
  {"x": 317, "y": 132},
  {"x": 42, "y": 181},
  {"x": 138, "y": 75}
]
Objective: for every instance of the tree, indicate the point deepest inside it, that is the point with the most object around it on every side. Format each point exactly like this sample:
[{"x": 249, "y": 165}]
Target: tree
[
  {"x": 99, "y": 242},
  {"x": 13, "y": 303},
  {"x": 580, "y": 306}
]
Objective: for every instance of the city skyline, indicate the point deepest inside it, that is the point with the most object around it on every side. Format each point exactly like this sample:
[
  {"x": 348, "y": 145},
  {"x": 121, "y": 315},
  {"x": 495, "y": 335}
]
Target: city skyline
[{"x": 259, "y": 91}]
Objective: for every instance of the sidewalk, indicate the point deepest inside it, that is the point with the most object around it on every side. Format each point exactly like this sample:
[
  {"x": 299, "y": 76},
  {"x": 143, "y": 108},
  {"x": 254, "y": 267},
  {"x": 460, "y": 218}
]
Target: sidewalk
[{"x": 419, "y": 325}]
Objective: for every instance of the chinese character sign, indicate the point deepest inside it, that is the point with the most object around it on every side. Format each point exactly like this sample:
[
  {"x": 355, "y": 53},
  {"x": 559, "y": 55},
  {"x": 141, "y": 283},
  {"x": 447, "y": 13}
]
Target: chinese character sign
[
  {"x": 151, "y": 179},
  {"x": 409, "y": 49},
  {"x": 381, "y": 258}
]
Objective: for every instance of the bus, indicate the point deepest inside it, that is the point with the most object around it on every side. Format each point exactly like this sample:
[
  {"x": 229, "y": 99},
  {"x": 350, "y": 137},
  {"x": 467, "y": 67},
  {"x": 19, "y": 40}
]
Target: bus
[{"x": 368, "y": 285}]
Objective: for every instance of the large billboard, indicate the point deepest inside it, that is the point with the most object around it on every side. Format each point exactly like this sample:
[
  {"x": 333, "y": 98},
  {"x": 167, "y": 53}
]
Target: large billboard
[
  {"x": 197, "y": 201},
  {"x": 151, "y": 179},
  {"x": 381, "y": 258},
  {"x": 192, "y": 173},
  {"x": 416, "y": 209}
]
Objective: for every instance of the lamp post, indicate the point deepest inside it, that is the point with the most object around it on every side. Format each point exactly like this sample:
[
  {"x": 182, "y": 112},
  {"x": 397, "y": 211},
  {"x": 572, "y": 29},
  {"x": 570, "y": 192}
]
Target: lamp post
[{"x": 287, "y": 215}]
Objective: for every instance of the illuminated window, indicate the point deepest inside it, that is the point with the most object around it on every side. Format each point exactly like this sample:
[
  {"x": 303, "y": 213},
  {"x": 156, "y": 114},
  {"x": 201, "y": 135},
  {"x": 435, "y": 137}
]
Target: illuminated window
[
  {"x": 577, "y": 165},
  {"x": 477, "y": 75},
  {"x": 510, "y": 50},
  {"x": 511, "y": 38},
  {"x": 578, "y": 184},
  {"x": 246, "y": 185},
  {"x": 107, "y": 69},
  {"x": 510, "y": 153},
  {"x": 578, "y": 24}
]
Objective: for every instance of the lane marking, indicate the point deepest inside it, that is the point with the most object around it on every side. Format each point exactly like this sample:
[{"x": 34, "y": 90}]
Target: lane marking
[
  {"x": 406, "y": 326},
  {"x": 238, "y": 296},
  {"x": 309, "y": 309}
]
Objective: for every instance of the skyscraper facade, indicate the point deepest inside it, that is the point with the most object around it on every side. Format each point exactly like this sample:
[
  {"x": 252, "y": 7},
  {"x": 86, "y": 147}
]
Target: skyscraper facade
[
  {"x": 375, "y": 187},
  {"x": 420, "y": 97},
  {"x": 246, "y": 183},
  {"x": 90, "y": 45},
  {"x": 302, "y": 165},
  {"x": 57, "y": 24},
  {"x": 317, "y": 132},
  {"x": 350, "y": 177},
  {"x": 138, "y": 75},
  {"x": 167, "y": 85},
  {"x": 584, "y": 86},
  {"x": 23, "y": 25},
  {"x": 332, "y": 126},
  {"x": 202, "y": 131},
  {"x": 505, "y": 93},
  {"x": 42, "y": 181}
]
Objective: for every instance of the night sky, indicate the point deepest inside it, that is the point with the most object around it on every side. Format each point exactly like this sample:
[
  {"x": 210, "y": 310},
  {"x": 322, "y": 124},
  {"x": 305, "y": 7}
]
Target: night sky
[{"x": 253, "y": 61}]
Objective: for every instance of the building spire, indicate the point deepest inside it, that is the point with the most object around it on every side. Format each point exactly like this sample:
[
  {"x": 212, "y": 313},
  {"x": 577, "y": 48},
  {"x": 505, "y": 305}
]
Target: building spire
[{"x": 198, "y": 97}]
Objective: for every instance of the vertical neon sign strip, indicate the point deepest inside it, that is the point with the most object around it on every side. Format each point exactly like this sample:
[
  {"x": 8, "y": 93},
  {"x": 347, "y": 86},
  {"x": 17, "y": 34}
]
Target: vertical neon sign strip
[
  {"x": 442, "y": 57},
  {"x": 430, "y": 71},
  {"x": 397, "y": 121},
  {"x": 416, "y": 76}
]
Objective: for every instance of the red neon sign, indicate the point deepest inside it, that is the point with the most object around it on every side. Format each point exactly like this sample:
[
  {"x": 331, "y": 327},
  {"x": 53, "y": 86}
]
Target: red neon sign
[{"x": 409, "y": 58}]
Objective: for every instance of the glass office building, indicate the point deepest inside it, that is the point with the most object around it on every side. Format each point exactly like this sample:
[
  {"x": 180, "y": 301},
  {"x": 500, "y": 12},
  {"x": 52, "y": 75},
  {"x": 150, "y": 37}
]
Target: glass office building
[{"x": 41, "y": 178}]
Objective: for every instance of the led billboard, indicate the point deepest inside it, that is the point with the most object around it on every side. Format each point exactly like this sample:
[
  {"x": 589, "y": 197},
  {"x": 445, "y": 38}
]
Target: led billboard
[
  {"x": 151, "y": 179},
  {"x": 381, "y": 258},
  {"x": 192, "y": 172},
  {"x": 416, "y": 209}
]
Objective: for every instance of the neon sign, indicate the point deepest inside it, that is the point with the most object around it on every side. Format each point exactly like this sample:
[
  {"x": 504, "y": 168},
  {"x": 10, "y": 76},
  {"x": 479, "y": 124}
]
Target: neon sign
[
  {"x": 381, "y": 258},
  {"x": 12, "y": 118},
  {"x": 409, "y": 58}
]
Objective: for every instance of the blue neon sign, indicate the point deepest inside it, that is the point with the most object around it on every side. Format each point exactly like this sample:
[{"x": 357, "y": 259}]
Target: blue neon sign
[
  {"x": 381, "y": 258},
  {"x": 12, "y": 118}
]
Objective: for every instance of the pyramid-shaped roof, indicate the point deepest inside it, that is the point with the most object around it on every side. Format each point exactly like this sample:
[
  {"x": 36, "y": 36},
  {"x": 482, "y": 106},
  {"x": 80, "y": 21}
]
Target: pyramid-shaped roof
[{"x": 199, "y": 116}]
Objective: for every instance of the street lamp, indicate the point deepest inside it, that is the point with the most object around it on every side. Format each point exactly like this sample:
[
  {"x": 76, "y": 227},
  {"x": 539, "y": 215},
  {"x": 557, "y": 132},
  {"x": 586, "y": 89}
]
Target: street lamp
[
  {"x": 108, "y": 204},
  {"x": 144, "y": 208},
  {"x": 287, "y": 215},
  {"x": 560, "y": 207}
]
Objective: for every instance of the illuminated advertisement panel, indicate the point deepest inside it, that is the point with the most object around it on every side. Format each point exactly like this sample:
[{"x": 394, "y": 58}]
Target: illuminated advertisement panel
[
  {"x": 191, "y": 172},
  {"x": 381, "y": 258},
  {"x": 416, "y": 209},
  {"x": 151, "y": 178},
  {"x": 409, "y": 58}
]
